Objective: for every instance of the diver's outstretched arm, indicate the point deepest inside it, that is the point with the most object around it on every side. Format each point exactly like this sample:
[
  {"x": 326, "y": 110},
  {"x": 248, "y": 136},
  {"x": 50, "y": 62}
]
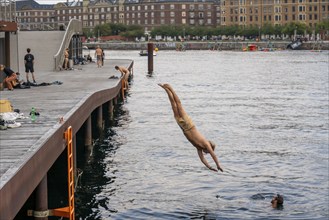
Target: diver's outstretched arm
[{"x": 204, "y": 161}]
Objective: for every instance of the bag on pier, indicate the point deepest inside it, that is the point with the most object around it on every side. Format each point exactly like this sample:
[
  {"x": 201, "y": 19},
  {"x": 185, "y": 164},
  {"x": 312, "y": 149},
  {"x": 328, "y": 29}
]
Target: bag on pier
[{"x": 5, "y": 106}]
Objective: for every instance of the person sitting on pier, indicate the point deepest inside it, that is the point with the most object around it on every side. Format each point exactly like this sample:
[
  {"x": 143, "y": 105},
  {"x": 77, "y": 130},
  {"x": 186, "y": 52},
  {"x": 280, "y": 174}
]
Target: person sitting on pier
[
  {"x": 11, "y": 77},
  {"x": 191, "y": 133},
  {"x": 124, "y": 75}
]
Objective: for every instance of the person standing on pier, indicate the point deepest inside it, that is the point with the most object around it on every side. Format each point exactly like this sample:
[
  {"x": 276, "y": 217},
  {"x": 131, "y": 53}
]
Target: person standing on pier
[
  {"x": 103, "y": 56},
  {"x": 29, "y": 65},
  {"x": 191, "y": 133},
  {"x": 66, "y": 58},
  {"x": 99, "y": 55}
]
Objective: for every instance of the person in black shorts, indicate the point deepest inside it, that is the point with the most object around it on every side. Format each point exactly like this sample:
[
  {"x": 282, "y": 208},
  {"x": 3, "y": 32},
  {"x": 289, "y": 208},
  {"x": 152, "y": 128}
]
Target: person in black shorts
[{"x": 29, "y": 63}]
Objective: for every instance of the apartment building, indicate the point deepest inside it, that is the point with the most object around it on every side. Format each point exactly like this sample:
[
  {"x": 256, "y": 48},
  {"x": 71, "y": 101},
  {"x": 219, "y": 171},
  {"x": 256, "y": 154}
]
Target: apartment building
[
  {"x": 155, "y": 13},
  {"x": 275, "y": 12}
]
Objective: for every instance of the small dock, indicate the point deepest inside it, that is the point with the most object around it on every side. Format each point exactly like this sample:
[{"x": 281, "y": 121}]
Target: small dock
[{"x": 28, "y": 152}]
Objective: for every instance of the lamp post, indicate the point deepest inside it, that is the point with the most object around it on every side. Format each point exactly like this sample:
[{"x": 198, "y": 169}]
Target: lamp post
[{"x": 259, "y": 36}]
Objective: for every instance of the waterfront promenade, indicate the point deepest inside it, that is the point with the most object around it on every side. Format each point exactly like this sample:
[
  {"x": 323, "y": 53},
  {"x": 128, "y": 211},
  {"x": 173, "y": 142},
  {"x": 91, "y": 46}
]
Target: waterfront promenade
[{"x": 28, "y": 152}]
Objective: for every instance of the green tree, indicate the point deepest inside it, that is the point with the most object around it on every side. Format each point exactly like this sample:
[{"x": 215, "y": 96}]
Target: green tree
[
  {"x": 322, "y": 26},
  {"x": 117, "y": 28},
  {"x": 102, "y": 30}
]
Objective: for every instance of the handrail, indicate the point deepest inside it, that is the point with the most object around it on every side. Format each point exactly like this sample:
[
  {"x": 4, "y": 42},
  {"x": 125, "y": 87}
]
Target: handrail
[{"x": 74, "y": 27}]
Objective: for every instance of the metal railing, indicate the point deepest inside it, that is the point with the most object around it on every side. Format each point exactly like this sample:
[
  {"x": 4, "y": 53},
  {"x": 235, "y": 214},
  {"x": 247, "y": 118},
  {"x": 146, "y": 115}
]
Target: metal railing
[{"x": 74, "y": 27}]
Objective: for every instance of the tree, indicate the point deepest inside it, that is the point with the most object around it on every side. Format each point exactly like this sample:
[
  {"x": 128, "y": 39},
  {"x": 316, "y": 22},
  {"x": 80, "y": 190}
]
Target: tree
[{"x": 102, "y": 30}]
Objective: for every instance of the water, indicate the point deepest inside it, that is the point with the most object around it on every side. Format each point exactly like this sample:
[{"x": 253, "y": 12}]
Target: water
[{"x": 266, "y": 111}]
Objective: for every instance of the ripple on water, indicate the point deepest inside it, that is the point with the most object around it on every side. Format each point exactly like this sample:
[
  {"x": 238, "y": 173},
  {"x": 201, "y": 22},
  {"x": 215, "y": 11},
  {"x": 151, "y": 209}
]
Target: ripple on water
[{"x": 268, "y": 115}]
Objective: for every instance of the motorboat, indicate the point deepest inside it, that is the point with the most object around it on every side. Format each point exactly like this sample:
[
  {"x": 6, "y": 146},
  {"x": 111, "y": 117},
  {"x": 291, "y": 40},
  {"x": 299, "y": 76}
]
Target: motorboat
[
  {"x": 295, "y": 45},
  {"x": 145, "y": 53}
]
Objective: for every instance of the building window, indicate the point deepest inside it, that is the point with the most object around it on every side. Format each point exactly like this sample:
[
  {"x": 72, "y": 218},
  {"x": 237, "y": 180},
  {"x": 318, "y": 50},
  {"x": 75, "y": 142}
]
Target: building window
[
  {"x": 183, "y": 21},
  {"x": 172, "y": 21},
  {"x": 172, "y": 14},
  {"x": 162, "y": 14},
  {"x": 172, "y": 6},
  {"x": 183, "y": 14},
  {"x": 184, "y": 6},
  {"x": 162, "y": 7}
]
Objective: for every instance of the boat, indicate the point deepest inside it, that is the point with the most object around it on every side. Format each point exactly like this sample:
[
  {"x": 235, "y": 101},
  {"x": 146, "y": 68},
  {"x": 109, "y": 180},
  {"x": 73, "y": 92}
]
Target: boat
[
  {"x": 295, "y": 44},
  {"x": 145, "y": 53},
  {"x": 250, "y": 47}
]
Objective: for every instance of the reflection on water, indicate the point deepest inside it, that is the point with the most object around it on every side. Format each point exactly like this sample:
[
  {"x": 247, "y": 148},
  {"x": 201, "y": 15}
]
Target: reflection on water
[{"x": 267, "y": 113}]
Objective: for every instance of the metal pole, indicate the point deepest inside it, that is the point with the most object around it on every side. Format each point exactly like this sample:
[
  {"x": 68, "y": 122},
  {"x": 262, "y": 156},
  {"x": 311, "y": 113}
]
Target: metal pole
[
  {"x": 41, "y": 197},
  {"x": 150, "y": 57}
]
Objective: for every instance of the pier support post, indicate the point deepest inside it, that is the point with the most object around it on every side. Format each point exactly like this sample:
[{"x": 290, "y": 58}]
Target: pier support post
[
  {"x": 88, "y": 132},
  {"x": 100, "y": 117},
  {"x": 88, "y": 138},
  {"x": 150, "y": 57},
  {"x": 41, "y": 197},
  {"x": 110, "y": 109}
]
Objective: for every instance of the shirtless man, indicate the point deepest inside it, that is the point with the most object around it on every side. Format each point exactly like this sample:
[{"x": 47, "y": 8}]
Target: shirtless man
[
  {"x": 66, "y": 58},
  {"x": 191, "y": 133},
  {"x": 11, "y": 77},
  {"x": 124, "y": 74},
  {"x": 99, "y": 55}
]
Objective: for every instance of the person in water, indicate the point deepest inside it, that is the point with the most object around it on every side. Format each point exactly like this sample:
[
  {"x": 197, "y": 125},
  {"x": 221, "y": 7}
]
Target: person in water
[
  {"x": 191, "y": 133},
  {"x": 277, "y": 201}
]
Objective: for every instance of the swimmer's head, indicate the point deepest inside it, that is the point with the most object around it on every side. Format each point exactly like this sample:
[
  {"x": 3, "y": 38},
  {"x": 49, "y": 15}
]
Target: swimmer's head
[{"x": 277, "y": 201}]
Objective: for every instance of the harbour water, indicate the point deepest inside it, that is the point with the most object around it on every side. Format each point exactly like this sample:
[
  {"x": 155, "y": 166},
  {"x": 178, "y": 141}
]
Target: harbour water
[{"x": 266, "y": 111}]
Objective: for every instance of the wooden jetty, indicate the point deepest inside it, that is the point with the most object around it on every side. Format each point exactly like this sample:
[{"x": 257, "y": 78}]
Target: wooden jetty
[{"x": 28, "y": 152}]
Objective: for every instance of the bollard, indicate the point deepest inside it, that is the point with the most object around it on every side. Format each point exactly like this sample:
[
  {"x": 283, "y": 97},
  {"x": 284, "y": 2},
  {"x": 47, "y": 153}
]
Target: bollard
[{"x": 150, "y": 57}]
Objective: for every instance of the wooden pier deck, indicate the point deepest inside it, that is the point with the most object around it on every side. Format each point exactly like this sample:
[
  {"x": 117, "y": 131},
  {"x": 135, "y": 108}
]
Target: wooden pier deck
[{"x": 27, "y": 152}]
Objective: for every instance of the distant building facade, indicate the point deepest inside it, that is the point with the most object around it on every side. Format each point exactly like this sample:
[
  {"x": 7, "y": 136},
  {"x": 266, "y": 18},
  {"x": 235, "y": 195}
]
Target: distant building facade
[
  {"x": 155, "y": 13},
  {"x": 275, "y": 12}
]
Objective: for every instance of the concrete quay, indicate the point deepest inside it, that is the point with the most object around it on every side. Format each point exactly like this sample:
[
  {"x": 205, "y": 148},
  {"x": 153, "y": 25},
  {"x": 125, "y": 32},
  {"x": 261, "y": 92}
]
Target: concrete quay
[
  {"x": 28, "y": 152},
  {"x": 206, "y": 45}
]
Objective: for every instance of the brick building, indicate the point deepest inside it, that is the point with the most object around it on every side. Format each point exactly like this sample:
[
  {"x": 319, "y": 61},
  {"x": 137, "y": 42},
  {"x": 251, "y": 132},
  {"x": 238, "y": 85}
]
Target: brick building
[
  {"x": 275, "y": 12},
  {"x": 154, "y": 13}
]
